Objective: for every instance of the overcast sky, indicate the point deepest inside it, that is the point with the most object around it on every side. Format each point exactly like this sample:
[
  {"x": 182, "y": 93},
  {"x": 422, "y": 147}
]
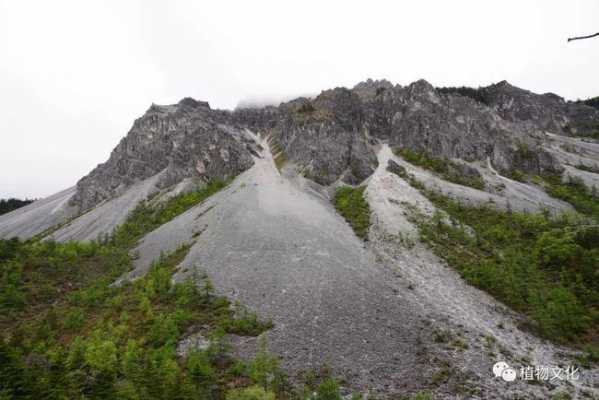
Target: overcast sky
[{"x": 75, "y": 74}]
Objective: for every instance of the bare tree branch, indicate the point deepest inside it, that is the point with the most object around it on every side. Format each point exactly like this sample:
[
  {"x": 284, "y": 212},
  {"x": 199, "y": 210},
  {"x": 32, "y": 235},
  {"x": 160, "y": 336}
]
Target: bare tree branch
[{"x": 583, "y": 37}]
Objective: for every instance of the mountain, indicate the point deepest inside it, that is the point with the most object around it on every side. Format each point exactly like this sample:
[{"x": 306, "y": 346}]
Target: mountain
[{"x": 389, "y": 315}]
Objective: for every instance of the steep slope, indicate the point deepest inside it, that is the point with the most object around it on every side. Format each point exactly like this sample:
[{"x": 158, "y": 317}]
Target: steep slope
[
  {"x": 387, "y": 315},
  {"x": 373, "y": 313},
  {"x": 39, "y": 216},
  {"x": 465, "y": 313},
  {"x": 286, "y": 254}
]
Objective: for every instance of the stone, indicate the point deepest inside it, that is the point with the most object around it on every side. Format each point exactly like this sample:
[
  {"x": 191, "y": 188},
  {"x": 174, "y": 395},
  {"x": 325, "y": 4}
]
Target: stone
[
  {"x": 332, "y": 136},
  {"x": 195, "y": 341}
]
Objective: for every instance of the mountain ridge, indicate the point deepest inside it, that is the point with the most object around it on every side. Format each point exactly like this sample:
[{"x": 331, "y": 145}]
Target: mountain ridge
[{"x": 379, "y": 311}]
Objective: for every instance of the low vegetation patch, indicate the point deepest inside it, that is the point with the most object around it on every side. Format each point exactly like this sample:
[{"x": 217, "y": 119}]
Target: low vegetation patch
[
  {"x": 352, "y": 205},
  {"x": 592, "y": 102},
  {"x": 446, "y": 169},
  {"x": 67, "y": 333},
  {"x": 477, "y": 94},
  {"x": 545, "y": 267},
  {"x": 585, "y": 130},
  {"x": 573, "y": 190},
  {"x": 588, "y": 168},
  {"x": 145, "y": 217}
]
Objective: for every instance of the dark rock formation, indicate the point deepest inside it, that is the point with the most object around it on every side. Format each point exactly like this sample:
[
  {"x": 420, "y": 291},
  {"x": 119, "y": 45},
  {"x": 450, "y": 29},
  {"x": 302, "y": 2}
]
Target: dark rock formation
[
  {"x": 180, "y": 141},
  {"x": 547, "y": 111},
  {"x": 420, "y": 118},
  {"x": 330, "y": 137},
  {"x": 395, "y": 168}
]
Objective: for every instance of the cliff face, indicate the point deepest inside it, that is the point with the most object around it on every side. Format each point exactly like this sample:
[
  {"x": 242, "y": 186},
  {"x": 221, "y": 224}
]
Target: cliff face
[
  {"x": 186, "y": 140},
  {"x": 330, "y": 137}
]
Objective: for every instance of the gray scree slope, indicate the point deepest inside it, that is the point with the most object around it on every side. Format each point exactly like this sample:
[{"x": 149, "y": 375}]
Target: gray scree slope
[
  {"x": 276, "y": 244},
  {"x": 367, "y": 311}
]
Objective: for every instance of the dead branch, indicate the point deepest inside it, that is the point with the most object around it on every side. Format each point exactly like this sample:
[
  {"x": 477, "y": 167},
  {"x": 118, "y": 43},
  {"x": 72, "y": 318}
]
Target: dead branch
[{"x": 583, "y": 37}]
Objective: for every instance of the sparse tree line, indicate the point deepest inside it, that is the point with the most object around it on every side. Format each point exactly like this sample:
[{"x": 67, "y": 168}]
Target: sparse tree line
[{"x": 8, "y": 205}]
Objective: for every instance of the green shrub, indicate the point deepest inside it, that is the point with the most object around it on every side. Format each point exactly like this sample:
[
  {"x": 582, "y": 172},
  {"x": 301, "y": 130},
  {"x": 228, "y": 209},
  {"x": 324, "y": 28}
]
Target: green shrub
[
  {"x": 250, "y": 393},
  {"x": 74, "y": 319},
  {"x": 101, "y": 356},
  {"x": 12, "y": 295},
  {"x": 328, "y": 390},
  {"x": 145, "y": 218},
  {"x": 264, "y": 368},
  {"x": 423, "y": 396},
  {"x": 558, "y": 313},
  {"x": 541, "y": 265},
  {"x": 352, "y": 205},
  {"x": 200, "y": 367},
  {"x": 517, "y": 175},
  {"x": 446, "y": 169},
  {"x": 125, "y": 347},
  {"x": 575, "y": 192},
  {"x": 245, "y": 323}
]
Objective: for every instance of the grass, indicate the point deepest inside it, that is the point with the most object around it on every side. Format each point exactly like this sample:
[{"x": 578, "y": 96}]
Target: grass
[
  {"x": 446, "y": 169},
  {"x": 517, "y": 175},
  {"x": 352, "y": 205}
]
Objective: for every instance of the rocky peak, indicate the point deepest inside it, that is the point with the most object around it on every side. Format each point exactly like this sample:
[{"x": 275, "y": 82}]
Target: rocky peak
[
  {"x": 175, "y": 142},
  {"x": 422, "y": 89},
  {"x": 191, "y": 102},
  {"x": 331, "y": 137},
  {"x": 369, "y": 89},
  {"x": 547, "y": 112},
  {"x": 343, "y": 104}
]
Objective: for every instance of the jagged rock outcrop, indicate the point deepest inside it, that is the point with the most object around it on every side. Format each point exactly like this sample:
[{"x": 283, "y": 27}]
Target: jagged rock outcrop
[
  {"x": 420, "y": 118},
  {"x": 329, "y": 137},
  {"x": 547, "y": 112},
  {"x": 332, "y": 137},
  {"x": 186, "y": 140},
  {"x": 325, "y": 137}
]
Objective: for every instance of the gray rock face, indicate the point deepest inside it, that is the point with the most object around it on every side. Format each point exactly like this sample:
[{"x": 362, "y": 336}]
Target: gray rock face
[
  {"x": 330, "y": 137},
  {"x": 418, "y": 117},
  {"x": 547, "y": 111},
  {"x": 324, "y": 137},
  {"x": 179, "y": 141}
]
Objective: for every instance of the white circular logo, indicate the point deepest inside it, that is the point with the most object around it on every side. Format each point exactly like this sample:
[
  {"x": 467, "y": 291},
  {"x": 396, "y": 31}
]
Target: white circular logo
[
  {"x": 508, "y": 375},
  {"x": 499, "y": 367}
]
